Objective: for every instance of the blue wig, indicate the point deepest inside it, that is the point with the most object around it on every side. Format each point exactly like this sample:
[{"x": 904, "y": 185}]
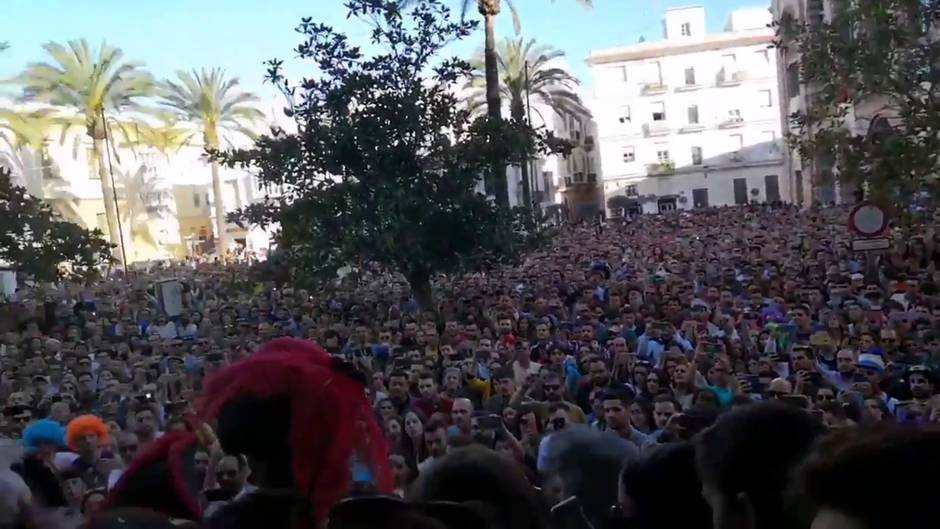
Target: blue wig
[{"x": 45, "y": 431}]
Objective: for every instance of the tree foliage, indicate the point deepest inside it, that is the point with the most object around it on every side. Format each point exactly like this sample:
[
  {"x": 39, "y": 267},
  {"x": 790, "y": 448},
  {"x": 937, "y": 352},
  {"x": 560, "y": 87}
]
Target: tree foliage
[
  {"x": 871, "y": 72},
  {"x": 385, "y": 166},
  {"x": 34, "y": 240}
]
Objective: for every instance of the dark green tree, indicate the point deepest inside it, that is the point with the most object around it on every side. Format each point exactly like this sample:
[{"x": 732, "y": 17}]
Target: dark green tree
[
  {"x": 386, "y": 162},
  {"x": 36, "y": 242},
  {"x": 873, "y": 117}
]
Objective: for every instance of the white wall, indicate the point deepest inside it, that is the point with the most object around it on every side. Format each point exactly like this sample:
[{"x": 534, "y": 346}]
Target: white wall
[{"x": 734, "y": 75}]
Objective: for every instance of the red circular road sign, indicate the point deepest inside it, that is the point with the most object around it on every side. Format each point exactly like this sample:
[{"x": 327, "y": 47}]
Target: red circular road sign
[{"x": 868, "y": 220}]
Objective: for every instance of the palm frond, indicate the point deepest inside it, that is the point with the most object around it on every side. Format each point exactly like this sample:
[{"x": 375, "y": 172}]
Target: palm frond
[{"x": 207, "y": 98}]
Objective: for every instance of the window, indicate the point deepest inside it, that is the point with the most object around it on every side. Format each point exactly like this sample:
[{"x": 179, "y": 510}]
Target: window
[
  {"x": 693, "y": 115},
  {"x": 621, "y": 72},
  {"x": 690, "y": 76},
  {"x": 696, "y": 156},
  {"x": 769, "y": 138},
  {"x": 624, "y": 115},
  {"x": 662, "y": 155},
  {"x": 734, "y": 115},
  {"x": 659, "y": 111},
  {"x": 657, "y": 73},
  {"x": 102, "y": 220},
  {"x": 766, "y": 99},
  {"x": 729, "y": 61},
  {"x": 632, "y": 190},
  {"x": 763, "y": 57},
  {"x": 196, "y": 200},
  {"x": 686, "y": 29},
  {"x": 629, "y": 154}
]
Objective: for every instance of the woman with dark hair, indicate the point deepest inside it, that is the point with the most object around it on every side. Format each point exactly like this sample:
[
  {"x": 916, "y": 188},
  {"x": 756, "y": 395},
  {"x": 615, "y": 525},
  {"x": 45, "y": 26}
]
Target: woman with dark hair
[
  {"x": 412, "y": 440},
  {"x": 641, "y": 416},
  {"x": 655, "y": 383},
  {"x": 661, "y": 489}
]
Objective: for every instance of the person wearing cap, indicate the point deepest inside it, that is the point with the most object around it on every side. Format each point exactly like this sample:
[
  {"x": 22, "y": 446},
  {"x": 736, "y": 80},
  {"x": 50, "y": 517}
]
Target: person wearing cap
[
  {"x": 41, "y": 440},
  {"x": 872, "y": 367}
]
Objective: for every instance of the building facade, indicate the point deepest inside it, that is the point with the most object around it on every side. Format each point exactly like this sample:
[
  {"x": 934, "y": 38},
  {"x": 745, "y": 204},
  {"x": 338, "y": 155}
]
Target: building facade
[
  {"x": 692, "y": 120},
  {"x": 814, "y": 180},
  {"x": 164, "y": 199},
  {"x": 568, "y": 187}
]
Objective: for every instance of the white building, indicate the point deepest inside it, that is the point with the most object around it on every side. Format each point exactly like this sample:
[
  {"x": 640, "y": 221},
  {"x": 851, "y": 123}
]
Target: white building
[
  {"x": 691, "y": 120},
  {"x": 165, "y": 199},
  {"x": 568, "y": 185},
  {"x": 814, "y": 180}
]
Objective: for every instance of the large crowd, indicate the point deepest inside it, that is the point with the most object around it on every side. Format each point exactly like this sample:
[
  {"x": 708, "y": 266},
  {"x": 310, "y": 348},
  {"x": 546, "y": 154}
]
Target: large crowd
[{"x": 727, "y": 367}]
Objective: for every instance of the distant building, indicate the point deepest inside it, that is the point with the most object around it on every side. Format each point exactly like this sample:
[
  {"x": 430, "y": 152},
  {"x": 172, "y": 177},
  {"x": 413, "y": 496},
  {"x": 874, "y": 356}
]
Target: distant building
[
  {"x": 565, "y": 186},
  {"x": 692, "y": 120},
  {"x": 814, "y": 179},
  {"x": 165, "y": 199}
]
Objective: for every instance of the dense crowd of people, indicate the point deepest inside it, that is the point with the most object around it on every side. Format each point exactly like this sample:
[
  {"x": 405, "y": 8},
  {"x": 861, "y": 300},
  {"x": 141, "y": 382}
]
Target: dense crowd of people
[{"x": 726, "y": 367}]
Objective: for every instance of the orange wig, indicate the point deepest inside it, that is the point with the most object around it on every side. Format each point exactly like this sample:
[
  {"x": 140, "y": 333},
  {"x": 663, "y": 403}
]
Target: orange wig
[{"x": 85, "y": 425}]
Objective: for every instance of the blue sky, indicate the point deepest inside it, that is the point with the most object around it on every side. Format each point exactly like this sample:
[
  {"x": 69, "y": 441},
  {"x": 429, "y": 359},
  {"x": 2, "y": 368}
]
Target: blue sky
[{"x": 239, "y": 35}]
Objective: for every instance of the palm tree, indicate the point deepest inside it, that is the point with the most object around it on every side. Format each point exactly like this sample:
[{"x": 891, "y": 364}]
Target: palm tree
[
  {"x": 208, "y": 100},
  {"x": 489, "y": 9},
  {"x": 24, "y": 135},
  {"x": 98, "y": 86},
  {"x": 24, "y": 151},
  {"x": 548, "y": 84}
]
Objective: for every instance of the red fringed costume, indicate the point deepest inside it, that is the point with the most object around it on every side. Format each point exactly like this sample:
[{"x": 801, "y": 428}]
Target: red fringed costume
[{"x": 330, "y": 422}]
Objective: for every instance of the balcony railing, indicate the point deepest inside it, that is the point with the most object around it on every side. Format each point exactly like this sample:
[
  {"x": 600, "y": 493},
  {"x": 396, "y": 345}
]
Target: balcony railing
[
  {"x": 731, "y": 122},
  {"x": 580, "y": 180},
  {"x": 654, "y": 88},
  {"x": 657, "y": 128},
  {"x": 661, "y": 168},
  {"x": 728, "y": 77}
]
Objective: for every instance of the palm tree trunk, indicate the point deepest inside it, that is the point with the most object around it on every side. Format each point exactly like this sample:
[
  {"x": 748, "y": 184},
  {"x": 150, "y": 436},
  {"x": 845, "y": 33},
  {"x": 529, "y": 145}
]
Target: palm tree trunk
[
  {"x": 220, "y": 245},
  {"x": 517, "y": 111},
  {"x": 107, "y": 195},
  {"x": 493, "y": 104}
]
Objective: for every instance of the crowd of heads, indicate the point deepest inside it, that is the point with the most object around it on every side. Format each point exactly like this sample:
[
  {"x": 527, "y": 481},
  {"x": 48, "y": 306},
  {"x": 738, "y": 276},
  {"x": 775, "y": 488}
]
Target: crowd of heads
[{"x": 742, "y": 362}]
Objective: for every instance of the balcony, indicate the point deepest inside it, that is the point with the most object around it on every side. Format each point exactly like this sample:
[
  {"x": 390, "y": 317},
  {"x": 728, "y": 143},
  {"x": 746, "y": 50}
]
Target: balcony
[
  {"x": 661, "y": 168},
  {"x": 580, "y": 181},
  {"x": 727, "y": 77},
  {"x": 691, "y": 127},
  {"x": 732, "y": 122},
  {"x": 657, "y": 128},
  {"x": 654, "y": 88},
  {"x": 688, "y": 87}
]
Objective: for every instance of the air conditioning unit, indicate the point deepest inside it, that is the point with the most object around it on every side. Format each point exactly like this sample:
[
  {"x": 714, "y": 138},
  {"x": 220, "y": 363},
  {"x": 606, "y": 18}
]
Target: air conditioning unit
[{"x": 578, "y": 177}]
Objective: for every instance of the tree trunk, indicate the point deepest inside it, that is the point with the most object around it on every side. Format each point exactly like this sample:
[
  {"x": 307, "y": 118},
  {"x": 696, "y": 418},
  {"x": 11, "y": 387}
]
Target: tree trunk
[
  {"x": 107, "y": 195},
  {"x": 211, "y": 139},
  {"x": 219, "y": 211},
  {"x": 493, "y": 104},
  {"x": 420, "y": 283},
  {"x": 518, "y": 113}
]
